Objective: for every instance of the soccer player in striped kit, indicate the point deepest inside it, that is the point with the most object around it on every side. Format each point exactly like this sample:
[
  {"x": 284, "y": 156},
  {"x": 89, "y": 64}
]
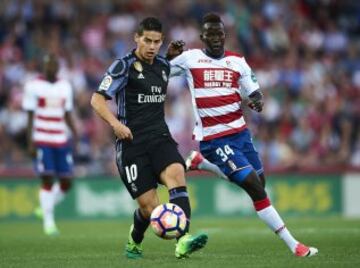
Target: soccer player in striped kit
[
  {"x": 49, "y": 102},
  {"x": 217, "y": 79}
]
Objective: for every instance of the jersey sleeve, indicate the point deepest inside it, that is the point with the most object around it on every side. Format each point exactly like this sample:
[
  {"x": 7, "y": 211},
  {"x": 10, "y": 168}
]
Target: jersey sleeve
[
  {"x": 69, "y": 102},
  {"x": 114, "y": 80},
  {"x": 247, "y": 81},
  {"x": 178, "y": 65},
  {"x": 29, "y": 98}
]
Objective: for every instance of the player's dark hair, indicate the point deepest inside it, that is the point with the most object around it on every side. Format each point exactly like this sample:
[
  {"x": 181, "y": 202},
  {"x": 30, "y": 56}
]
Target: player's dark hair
[
  {"x": 211, "y": 18},
  {"x": 149, "y": 24}
]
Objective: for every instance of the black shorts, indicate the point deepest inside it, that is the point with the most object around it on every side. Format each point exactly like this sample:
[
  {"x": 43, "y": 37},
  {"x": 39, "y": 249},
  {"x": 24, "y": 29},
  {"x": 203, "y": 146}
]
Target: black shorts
[{"x": 140, "y": 165}]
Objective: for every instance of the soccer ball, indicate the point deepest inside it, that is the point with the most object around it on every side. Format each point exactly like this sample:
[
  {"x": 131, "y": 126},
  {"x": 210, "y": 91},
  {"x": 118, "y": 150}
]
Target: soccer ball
[{"x": 168, "y": 221}]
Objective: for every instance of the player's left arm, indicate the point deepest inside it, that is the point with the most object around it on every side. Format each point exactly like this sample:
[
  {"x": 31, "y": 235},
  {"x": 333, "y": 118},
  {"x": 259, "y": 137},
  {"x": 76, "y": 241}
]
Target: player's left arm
[
  {"x": 71, "y": 124},
  {"x": 69, "y": 120},
  {"x": 256, "y": 101},
  {"x": 250, "y": 87}
]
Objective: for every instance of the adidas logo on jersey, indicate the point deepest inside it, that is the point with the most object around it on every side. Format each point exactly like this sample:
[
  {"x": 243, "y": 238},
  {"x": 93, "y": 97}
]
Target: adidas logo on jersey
[{"x": 141, "y": 76}]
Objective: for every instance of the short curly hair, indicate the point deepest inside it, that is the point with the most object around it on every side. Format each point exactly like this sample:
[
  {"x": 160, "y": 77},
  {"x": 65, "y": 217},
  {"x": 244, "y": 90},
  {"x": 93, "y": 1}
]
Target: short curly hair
[{"x": 211, "y": 18}]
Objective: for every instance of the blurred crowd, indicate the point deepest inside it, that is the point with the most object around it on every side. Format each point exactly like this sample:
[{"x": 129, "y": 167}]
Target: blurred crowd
[{"x": 306, "y": 55}]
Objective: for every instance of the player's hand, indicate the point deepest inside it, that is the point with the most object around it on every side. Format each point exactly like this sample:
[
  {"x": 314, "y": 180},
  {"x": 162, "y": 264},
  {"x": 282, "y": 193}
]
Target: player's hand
[
  {"x": 175, "y": 48},
  {"x": 122, "y": 132},
  {"x": 256, "y": 105}
]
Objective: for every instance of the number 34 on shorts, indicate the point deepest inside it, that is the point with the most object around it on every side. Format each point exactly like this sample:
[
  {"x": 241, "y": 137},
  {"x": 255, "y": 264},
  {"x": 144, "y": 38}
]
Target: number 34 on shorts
[{"x": 224, "y": 152}]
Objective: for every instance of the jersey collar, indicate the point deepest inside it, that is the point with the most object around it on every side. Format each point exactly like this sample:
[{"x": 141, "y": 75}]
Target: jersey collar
[{"x": 215, "y": 58}]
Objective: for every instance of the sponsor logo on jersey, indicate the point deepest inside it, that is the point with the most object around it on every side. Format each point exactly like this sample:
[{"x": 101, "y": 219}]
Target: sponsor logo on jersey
[
  {"x": 105, "y": 83},
  {"x": 142, "y": 98},
  {"x": 141, "y": 76},
  {"x": 204, "y": 61},
  {"x": 156, "y": 96}
]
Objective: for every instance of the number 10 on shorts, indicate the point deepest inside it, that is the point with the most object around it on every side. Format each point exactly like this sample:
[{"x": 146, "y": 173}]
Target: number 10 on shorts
[
  {"x": 131, "y": 173},
  {"x": 224, "y": 152}
]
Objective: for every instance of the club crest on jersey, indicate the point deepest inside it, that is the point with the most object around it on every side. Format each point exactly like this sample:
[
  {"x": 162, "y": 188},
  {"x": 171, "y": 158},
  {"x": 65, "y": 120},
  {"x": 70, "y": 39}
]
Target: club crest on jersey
[
  {"x": 138, "y": 67},
  {"x": 253, "y": 77},
  {"x": 232, "y": 165},
  {"x": 105, "y": 83},
  {"x": 164, "y": 76},
  {"x": 133, "y": 187}
]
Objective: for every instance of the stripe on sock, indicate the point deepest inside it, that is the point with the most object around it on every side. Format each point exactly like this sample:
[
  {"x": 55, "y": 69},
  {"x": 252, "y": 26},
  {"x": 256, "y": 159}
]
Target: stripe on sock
[
  {"x": 261, "y": 204},
  {"x": 280, "y": 229},
  {"x": 178, "y": 192}
]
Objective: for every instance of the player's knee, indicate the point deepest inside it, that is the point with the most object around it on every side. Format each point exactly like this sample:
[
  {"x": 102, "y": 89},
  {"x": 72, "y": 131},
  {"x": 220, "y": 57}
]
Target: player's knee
[
  {"x": 174, "y": 176},
  {"x": 262, "y": 179},
  {"x": 47, "y": 182},
  {"x": 65, "y": 185},
  {"x": 254, "y": 187},
  {"x": 241, "y": 175}
]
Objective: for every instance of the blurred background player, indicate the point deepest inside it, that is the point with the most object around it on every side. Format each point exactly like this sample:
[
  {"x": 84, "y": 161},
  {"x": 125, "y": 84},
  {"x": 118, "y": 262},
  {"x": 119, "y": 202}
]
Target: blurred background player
[
  {"x": 146, "y": 154},
  {"x": 217, "y": 79},
  {"x": 49, "y": 102}
]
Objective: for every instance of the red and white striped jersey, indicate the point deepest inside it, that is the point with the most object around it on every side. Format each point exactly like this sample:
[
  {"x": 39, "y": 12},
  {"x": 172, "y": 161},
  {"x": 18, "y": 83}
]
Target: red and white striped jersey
[
  {"x": 216, "y": 87},
  {"x": 49, "y": 102}
]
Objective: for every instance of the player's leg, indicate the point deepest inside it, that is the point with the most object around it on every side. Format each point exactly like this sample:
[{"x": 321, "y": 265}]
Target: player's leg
[
  {"x": 45, "y": 168},
  {"x": 140, "y": 181},
  {"x": 147, "y": 202},
  {"x": 262, "y": 179},
  {"x": 169, "y": 164},
  {"x": 173, "y": 177},
  {"x": 61, "y": 188},
  {"x": 64, "y": 169},
  {"x": 229, "y": 154},
  {"x": 252, "y": 180},
  {"x": 196, "y": 161},
  {"x": 252, "y": 184}
]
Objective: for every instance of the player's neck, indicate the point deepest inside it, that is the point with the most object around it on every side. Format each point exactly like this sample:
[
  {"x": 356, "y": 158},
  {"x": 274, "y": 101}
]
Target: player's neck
[
  {"x": 138, "y": 55},
  {"x": 212, "y": 55},
  {"x": 51, "y": 78}
]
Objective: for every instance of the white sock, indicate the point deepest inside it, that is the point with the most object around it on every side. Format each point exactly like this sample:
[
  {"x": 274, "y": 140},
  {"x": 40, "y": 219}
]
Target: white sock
[
  {"x": 59, "y": 195},
  {"x": 208, "y": 166},
  {"x": 47, "y": 204},
  {"x": 272, "y": 219}
]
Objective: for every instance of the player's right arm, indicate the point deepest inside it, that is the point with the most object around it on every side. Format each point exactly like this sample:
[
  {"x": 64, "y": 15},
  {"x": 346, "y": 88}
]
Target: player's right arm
[
  {"x": 29, "y": 105},
  {"x": 174, "y": 49},
  {"x": 113, "y": 82},
  {"x": 178, "y": 59}
]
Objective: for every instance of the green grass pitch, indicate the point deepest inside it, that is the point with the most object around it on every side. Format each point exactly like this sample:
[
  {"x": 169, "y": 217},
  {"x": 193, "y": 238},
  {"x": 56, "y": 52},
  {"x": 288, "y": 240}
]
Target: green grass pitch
[{"x": 232, "y": 243}]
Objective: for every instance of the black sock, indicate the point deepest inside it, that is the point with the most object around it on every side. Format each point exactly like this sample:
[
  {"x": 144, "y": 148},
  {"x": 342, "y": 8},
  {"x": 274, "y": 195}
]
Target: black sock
[
  {"x": 179, "y": 196},
  {"x": 140, "y": 226}
]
